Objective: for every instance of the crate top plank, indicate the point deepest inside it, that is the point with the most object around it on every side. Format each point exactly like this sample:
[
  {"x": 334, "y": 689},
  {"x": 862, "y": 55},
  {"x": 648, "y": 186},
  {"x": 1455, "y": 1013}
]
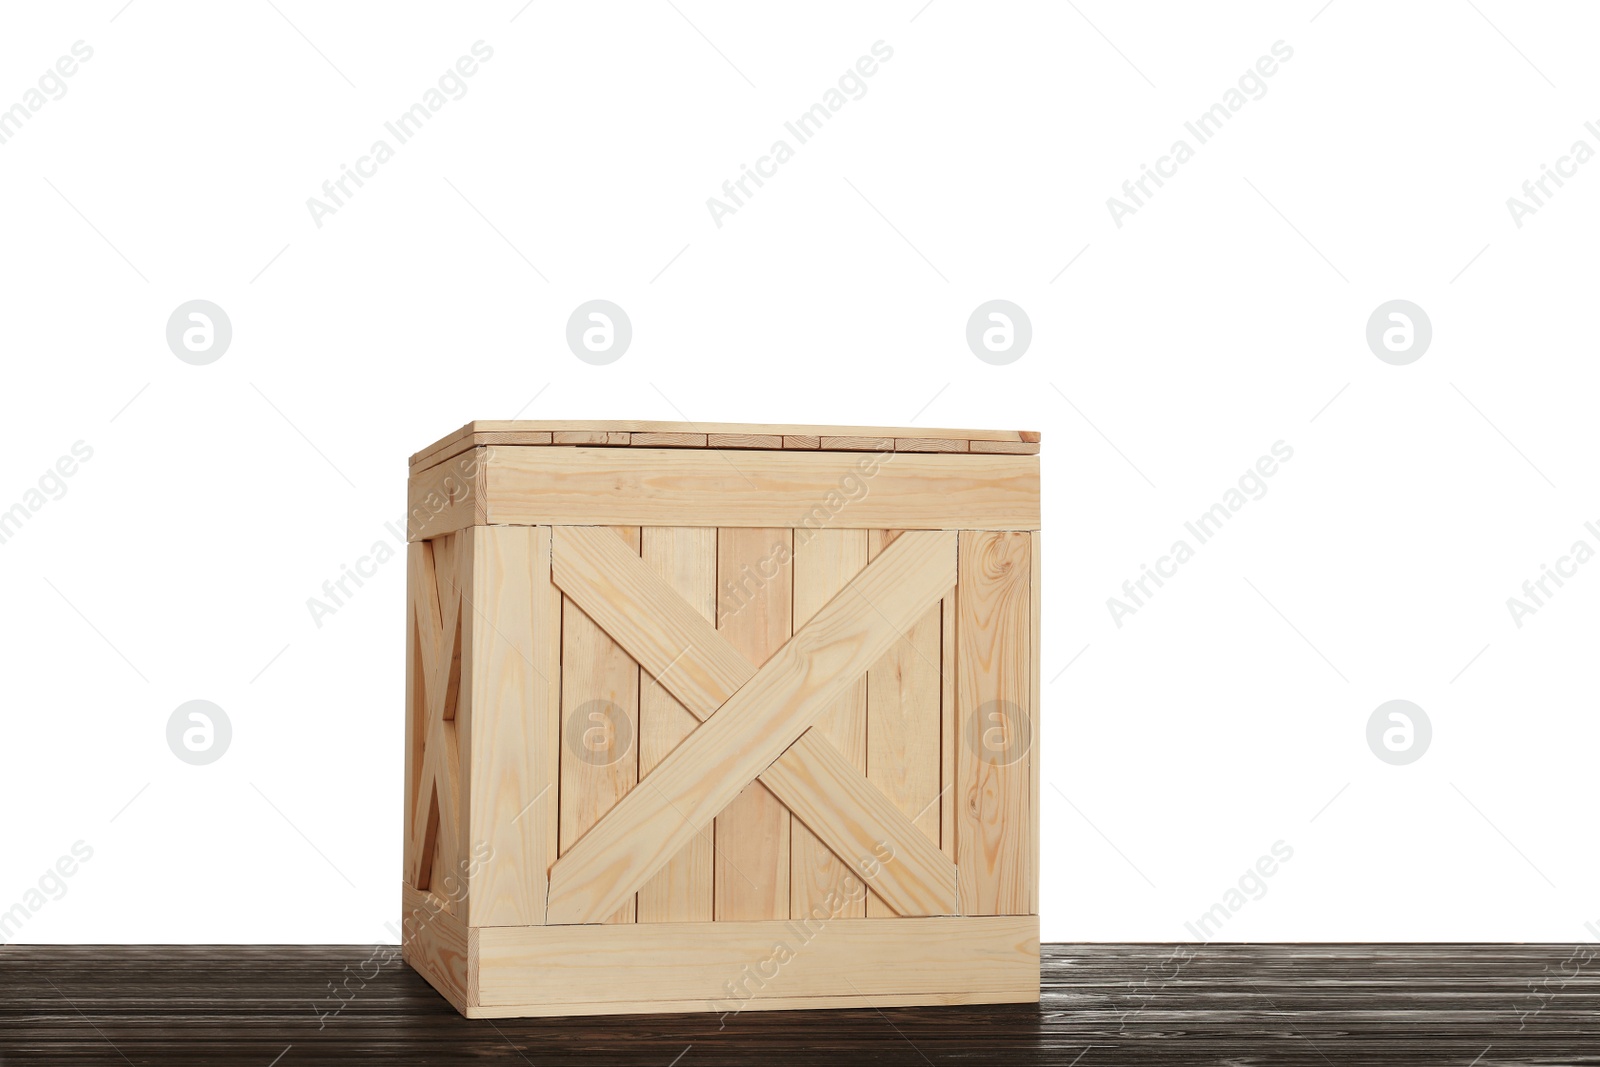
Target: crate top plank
[{"x": 622, "y": 434}]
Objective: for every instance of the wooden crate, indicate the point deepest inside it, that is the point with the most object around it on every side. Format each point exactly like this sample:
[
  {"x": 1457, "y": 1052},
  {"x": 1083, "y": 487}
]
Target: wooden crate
[{"x": 717, "y": 718}]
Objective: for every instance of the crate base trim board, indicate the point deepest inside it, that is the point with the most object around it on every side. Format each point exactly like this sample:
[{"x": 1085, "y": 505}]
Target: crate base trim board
[{"x": 753, "y": 966}]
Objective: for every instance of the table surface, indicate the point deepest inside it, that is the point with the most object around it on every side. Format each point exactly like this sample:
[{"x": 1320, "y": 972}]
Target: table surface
[{"x": 1482, "y": 1005}]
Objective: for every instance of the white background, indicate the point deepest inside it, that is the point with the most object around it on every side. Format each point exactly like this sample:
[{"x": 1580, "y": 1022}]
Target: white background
[{"x": 1224, "y": 316}]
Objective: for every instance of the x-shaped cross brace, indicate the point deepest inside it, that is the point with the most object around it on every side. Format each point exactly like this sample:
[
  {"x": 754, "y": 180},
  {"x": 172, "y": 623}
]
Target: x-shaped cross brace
[
  {"x": 756, "y": 723},
  {"x": 434, "y": 821}
]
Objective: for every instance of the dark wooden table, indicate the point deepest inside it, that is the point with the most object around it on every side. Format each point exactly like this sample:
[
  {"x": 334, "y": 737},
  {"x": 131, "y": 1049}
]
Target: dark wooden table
[{"x": 1469, "y": 1005}]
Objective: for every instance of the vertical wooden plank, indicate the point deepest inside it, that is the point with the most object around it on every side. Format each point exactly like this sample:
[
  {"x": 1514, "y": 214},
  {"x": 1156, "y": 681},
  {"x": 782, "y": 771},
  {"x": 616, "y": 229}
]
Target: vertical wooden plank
[
  {"x": 949, "y": 716},
  {"x": 599, "y": 723},
  {"x": 993, "y": 739},
  {"x": 686, "y": 557},
  {"x": 1035, "y": 715},
  {"x": 755, "y": 591},
  {"x": 414, "y": 711},
  {"x": 548, "y": 630},
  {"x": 904, "y": 725},
  {"x": 824, "y": 563},
  {"x": 509, "y": 697}
]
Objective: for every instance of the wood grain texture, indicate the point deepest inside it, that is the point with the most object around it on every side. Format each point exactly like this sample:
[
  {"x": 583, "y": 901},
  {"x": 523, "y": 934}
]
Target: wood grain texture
[
  {"x": 541, "y": 432},
  {"x": 1035, "y": 716},
  {"x": 929, "y": 444},
  {"x": 791, "y": 488},
  {"x": 1150, "y": 1005},
  {"x": 435, "y": 944},
  {"x": 994, "y": 746},
  {"x": 661, "y": 629},
  {"x": 755, "y": 597},
  {"x": 719, "y": 967},
  {"x": 698, "y": 665},
  {"x": 447, "y": 497},
  {"x": 1012, "y": 448},
  {"x": 949, "y": 720},
  {"x": 744, "y": 440},
  {"x": 686, "y": 559},
  {"x": 600, "y": 728},
  {"x": 512, "y": 696},
  {"x": 752, "y": 729},
  {"x": 852, "y": 443},
  {"x": 886, "y": 854},
  {"x": 671, "y": 439},
  {"x": 903, "y": 721},
  {"x": 591, "y": 437},
  {"x": 437, "y": 823},
  {"x": 825, "y": 561}
]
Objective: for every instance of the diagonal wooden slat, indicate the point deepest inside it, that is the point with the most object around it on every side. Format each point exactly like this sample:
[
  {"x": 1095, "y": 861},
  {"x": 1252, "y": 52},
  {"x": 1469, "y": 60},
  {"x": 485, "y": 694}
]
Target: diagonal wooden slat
[
  {"x": 753, "y": 727},
  {"x": 675, "y": 644}
]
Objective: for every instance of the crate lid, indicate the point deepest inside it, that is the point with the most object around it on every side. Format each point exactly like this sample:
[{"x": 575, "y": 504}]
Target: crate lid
[{"x": 633, "y": 434}]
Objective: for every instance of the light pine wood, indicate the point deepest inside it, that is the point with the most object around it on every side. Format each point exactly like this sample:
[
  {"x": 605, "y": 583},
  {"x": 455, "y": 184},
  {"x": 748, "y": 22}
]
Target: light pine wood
[
  {"x": 416, "y": 716},
  {"x": 768, "y": 714},
  {"x": 590, "y": 437},
  {"x": 662, "y": 630},
  {"x": 1012, "y": 448},
  {"x": 437, "y": 814},
  {"x": 668, "y": 440},
  {"x": 687, "y": 1007},
  {"x": 994, "y": 821},
  {"x": 903, "y": 721},
  {"x": 744, "y": 440},
  {"x": 595, "y": 668},
  {"x": 929, "y": 444},
  {"x": 842, "y": 443},
  {"x": 889, "y": 855},
  {"x": 808, "y": 632},
  {"x": 447, "y": 497},
  {"x": 726, "y": 967},
  {"x": 541, "y": 432},
  {"x": 824, "y": 563},
  {"x": 436, "y": 944},
  {"x": 675, "y": 487},
  {"x": 949, "y": 718},
  {"x": 825, "y": 790},
  {"x": 755, "y": 590},
  {"x": 686, "y": 559},
  {"x": 1035, "y": 715},
  {"x": 511, "y": 699}
]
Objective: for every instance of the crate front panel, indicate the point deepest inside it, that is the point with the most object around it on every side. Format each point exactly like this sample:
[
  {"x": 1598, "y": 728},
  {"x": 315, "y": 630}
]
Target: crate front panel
[{"x": 561, "y": 768}]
